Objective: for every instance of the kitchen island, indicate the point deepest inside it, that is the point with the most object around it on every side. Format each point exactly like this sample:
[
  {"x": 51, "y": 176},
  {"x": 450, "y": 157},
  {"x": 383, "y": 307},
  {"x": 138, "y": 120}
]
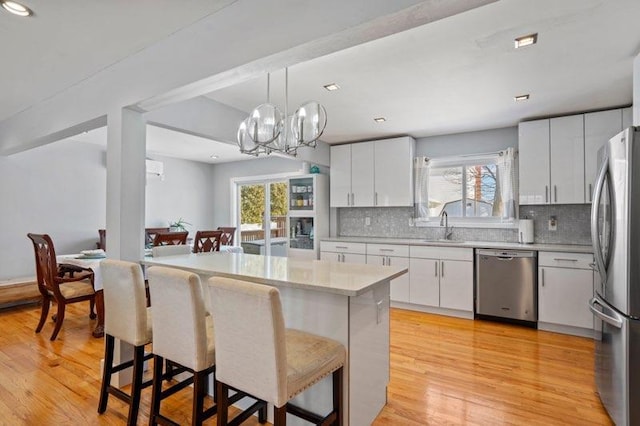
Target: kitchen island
[{"x": 345, "y": 302}]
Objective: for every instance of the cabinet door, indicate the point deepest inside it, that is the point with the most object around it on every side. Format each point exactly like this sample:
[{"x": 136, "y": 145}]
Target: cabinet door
[
  {"x": 355, "y": 258},
  {"x": 393, "y": 169},
  {"x": 599, "y": 127},
  {"x": 567, "y": 160},
  {"x": 424, "y": 282},
  {"x": 627, "y": 117},
  {"x": 362, "y": 174},
  {"x": 331, "y": 256},
  {"x": 399, "y": 286},
  {"x": 456, "y": 285},
  {"x": 533, "y": 147},
  {"x": 340, "y": 174},
  {"x": 563, "y": 296}
]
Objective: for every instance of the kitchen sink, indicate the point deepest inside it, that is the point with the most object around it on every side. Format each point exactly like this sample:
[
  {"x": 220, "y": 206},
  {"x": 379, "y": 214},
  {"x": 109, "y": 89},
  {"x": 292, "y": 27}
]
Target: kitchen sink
[{"x": 445, "y": 241}]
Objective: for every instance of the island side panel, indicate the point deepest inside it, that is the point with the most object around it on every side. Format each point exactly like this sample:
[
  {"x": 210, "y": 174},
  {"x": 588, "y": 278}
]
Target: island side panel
[
  {"x": 324, "y": 314},
  {"x": 368, "y": 354}
]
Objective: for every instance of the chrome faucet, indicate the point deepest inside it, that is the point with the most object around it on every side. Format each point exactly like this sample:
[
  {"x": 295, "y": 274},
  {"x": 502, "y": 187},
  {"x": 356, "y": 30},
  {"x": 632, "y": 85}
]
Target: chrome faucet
[{"x": 444, "y": 221}]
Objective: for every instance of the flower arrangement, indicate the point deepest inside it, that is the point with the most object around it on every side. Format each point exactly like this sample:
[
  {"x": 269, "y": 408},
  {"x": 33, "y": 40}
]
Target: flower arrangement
[{"x": 179, "y": 225}]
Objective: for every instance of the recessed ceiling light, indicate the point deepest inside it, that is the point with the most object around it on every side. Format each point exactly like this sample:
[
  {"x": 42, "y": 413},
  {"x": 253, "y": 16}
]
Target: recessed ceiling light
[
  {"x": 214, "y": 157},
  {"x": 16, "y": 8},
  {"x": 380, "y": 119},
  {"x": 521, "y": 98},
  {"x": 331, "y": 87},
  {"x": 526, "y": 40}
]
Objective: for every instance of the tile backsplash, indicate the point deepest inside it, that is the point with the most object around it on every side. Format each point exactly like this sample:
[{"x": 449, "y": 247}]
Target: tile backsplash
[{"x": 395, "y": 222}]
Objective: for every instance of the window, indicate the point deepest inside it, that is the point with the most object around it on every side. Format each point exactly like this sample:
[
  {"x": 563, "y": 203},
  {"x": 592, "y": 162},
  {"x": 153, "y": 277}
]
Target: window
[{"x": 473, "y": 188}]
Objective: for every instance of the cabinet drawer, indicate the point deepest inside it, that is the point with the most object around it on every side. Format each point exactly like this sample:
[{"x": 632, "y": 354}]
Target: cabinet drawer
[
  {"x": 341, "y": 247},
  {"x": 565, "y": 260},
  {"x": 445, "y": 253},
  {"x": 391, "y": 250}
]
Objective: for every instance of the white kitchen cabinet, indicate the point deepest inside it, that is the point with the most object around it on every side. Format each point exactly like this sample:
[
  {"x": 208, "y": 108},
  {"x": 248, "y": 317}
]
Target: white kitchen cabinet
[
  {"x": 392, "y": 255},
  {"x": 567, "y": 159},
  {"x": 340, "y": 181},
  {"x": 551, "y": 160},
  {"x": 534, "y": 162},
  {"x": 565, "y": 285},
  {"x": 375, "y": 173},
  {"x": 344, "y": 252},
  {"x": 441, "y": 277},
  {"x": 393, "y": 165},
  {"x": 599, "y": 127}
]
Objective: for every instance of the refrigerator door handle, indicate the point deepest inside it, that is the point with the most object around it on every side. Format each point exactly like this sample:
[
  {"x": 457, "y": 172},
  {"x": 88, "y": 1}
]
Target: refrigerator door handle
[
  {"x": 595, "y": 237},
  {"x": 614, "y": 319}
]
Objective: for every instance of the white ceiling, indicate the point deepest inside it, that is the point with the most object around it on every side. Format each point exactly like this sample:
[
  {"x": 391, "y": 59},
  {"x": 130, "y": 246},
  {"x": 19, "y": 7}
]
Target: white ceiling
[
  {"x": 461, "y": 73},
  {"x": 171, "y": 143},
  {"x": 454, "y": 75}
]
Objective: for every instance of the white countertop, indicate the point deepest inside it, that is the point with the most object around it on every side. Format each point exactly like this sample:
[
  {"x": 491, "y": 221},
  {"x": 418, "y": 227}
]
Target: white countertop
[
  {"x": 566, "y": 248},
  {"x": 331, "y": 277}
]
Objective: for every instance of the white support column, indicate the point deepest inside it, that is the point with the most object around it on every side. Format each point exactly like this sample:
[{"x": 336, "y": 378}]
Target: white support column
[{"x": 126, "y": 151}]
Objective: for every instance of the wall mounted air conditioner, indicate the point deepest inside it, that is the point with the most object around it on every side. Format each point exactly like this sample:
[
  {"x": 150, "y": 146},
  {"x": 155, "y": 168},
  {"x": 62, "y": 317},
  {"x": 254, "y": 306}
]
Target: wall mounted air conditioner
[{"x": 154, "y": 167}]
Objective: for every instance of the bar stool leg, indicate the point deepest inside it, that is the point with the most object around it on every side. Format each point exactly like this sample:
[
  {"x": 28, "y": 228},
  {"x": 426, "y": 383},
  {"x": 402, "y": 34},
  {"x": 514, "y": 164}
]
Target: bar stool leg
[
  {"x": 106, "y": 373},
  {"x": 280, "y": 415},
  {"x": 156, "y": 392},
  {"x": 222, "y": 393},
  {"x": 136, "y": 385},
  {"x": 337, "y": 395}
]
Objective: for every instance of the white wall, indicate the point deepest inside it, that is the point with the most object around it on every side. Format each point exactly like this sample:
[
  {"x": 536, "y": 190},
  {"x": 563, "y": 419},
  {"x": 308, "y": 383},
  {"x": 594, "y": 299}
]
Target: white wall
[
  {"x": 186, "y": 192},
  {"x": 58, "y": 189},
  {"x": 223, "y": 173},
  {"x": 467, "y": 143}
]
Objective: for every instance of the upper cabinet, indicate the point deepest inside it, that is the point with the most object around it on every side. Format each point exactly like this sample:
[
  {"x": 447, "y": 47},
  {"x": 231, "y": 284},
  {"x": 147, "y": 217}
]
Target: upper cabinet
[
  {"x": 552, "y": 161},
  {"x": 559, "y": 156},
  {"x": 599, "y": 127},
  {"x": 369, "y": 174}
]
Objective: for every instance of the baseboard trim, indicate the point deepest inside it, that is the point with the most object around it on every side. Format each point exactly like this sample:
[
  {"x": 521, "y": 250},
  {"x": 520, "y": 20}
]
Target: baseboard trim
[{"x": 18, "y": 294}]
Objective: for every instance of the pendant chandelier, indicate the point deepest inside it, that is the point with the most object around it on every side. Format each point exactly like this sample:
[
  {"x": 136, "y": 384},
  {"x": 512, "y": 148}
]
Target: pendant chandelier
[{"x": 268, "y": 130}]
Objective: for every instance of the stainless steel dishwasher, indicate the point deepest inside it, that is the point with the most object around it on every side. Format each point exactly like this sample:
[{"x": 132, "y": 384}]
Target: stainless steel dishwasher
[{"x": 506, "y": 285}]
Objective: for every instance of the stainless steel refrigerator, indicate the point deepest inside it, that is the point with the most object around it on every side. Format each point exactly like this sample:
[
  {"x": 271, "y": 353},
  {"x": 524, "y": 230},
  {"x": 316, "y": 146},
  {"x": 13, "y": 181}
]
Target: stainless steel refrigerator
[{"x": 615, "y": 233}]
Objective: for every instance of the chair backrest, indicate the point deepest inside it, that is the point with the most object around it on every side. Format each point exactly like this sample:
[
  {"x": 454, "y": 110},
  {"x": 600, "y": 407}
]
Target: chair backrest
[
  {"x": 228, "y": 233},
  {"x": 46, "y": 265},
  {"x": 170, "y": 238},
  {"x": 207, "y": 241},
  {"x": 179, "y": 325},
  {"x": 150, "y": 234},
  {"x": 102, "y": 244},
  {"x": 249, "y": 338},
  {"x": 160, "y": 251},
  {"x": 125, "y": 301}
]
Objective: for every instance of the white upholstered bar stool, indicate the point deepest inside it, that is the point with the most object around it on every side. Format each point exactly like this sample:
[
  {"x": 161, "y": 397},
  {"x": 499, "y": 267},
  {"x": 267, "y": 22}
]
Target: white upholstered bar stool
[
  {"x": 182, "y": 333},
  {"x": 255, "y": 353},
  {"x": 126, "y": 318}
]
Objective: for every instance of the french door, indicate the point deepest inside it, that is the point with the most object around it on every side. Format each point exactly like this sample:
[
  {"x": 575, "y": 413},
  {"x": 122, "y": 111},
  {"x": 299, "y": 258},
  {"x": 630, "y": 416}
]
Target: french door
[{"x": 262, "y": 208}]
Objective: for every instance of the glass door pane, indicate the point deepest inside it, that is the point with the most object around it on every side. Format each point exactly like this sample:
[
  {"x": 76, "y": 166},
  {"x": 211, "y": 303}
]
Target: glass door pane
[
  {"x": 278, "y": 209},
  {"x": 252, "y": 202}
]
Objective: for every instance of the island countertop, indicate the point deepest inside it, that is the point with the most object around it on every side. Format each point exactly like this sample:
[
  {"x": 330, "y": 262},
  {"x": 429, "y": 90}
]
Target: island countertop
[{"x": 331, "y": 277}]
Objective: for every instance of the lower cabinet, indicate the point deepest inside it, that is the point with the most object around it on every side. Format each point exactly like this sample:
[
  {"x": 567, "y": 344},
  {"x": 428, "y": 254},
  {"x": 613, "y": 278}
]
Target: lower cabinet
[
  {"x": 565, "y": 285},
  {"x": 441, "y": 277},
  {"x": 343, "y": 252},
  {"x": 392, "y": 255}
]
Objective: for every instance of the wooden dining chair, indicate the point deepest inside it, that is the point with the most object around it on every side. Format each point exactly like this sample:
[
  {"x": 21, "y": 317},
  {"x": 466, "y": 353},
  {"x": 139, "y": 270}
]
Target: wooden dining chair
[
  {"x": 150, "y": 234},
  {"x": 102, "y": 243},
  {"x": 59, "y": 283},
  {"x": 170, "y": 238},
  {"x": 206, "y": 241},
  {"x": 228, "y": 232}
]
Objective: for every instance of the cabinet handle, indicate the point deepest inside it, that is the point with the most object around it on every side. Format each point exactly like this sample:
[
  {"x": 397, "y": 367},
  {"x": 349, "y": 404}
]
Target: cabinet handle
[
  {"x": 348, "y": 199},
  {"x": 542, "y": 276},
  {"x": 338, "y": 257},
  {"x": 436, "y": 263},
  {"x": 561, "y": 259},
  {"x": 388, "y": 261},
  {"x": 555, "y": 193},
  {"x": 375, "y": 202},
  {"x": 384, "y": 261},
  {"x": 442, "y": 270},
  {"x": 546, "y": 193},
  {"x": 342, "y": 247},
  {"x": 353, "y": 199},
  {"x": 590, "y": 193},
  {"x": 378, "y": 311},
  {"x": 388, "y": 250}
]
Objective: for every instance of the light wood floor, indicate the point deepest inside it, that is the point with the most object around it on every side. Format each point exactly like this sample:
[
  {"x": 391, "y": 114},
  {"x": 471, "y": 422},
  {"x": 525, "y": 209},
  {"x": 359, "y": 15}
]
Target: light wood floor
[{"x": 443, "y": 371}]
